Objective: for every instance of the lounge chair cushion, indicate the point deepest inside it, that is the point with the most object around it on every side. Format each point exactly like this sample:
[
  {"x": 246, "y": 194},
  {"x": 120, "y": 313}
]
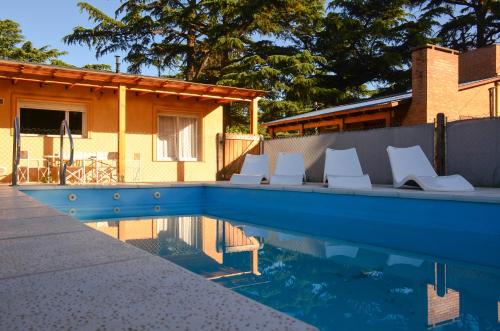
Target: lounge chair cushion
[{"x": 349, "y": 182}]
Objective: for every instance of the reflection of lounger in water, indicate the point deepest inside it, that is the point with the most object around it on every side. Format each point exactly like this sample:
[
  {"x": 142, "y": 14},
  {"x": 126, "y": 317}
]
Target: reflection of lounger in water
[
  {"x": 332, "y": 250},
  {"x": 395, "y": 259},
  {"x": 255, "y": 232}
]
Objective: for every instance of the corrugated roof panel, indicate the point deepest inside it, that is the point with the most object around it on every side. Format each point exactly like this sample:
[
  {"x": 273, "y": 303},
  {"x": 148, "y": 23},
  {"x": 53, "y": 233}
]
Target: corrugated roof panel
[{"x": 367, "y": 103}]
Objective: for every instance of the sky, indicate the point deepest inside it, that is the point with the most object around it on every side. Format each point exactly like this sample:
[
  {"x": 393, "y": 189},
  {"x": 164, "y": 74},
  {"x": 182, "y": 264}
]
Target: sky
[{"x": 46, "y": 22}]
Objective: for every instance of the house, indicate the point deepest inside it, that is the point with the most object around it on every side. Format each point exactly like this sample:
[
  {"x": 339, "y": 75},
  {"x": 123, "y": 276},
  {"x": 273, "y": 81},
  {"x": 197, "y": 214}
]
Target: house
[
  {"x": 125, "y": 127},
  {"x": 460, "y": 85}
]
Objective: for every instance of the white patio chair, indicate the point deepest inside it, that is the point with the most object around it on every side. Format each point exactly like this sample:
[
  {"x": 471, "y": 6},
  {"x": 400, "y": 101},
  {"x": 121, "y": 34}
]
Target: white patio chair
[
  {"x": 343, "y": 170},
  {"x": 106, "y": 167},
  {"x": 75, "y": 173},
  {"x": 27, "y": 164},
  {"x": 289, "y": 169},
  {"x": 410, "y": 166},
  {"x": 133, "y": 168},
  {"x": 255, "y": 168}
]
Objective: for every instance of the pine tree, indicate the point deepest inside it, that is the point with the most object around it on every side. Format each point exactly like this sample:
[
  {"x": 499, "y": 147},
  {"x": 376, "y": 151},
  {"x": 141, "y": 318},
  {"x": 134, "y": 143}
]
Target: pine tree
[
  {"x": 465, "y": 24},
  {"x": 13, "y": 46},
  {"x": 367, "y": 45}
]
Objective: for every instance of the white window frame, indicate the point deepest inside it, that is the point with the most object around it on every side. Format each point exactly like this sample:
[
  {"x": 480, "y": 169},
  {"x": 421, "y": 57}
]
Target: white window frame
[
  {"x": 56, "y": 106},
  {"x": 177, "y": 116}
]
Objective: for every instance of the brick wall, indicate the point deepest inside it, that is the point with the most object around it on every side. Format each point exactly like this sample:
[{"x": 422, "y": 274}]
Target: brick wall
[
  {"x": 434, "y": 84},
  {"x": 479, "y": 63},
  {"x": 442, "y": 309}
]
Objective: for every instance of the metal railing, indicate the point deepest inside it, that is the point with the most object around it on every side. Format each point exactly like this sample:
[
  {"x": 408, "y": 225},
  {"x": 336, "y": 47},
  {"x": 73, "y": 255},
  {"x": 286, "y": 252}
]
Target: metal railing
[
  {"x": 16, "y": 150},
  {"x": 64, "y": 165}
]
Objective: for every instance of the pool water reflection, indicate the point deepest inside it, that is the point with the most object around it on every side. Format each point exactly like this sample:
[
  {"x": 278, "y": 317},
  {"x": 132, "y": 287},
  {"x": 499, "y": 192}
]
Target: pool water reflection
[{"x": 331, "y": 284}]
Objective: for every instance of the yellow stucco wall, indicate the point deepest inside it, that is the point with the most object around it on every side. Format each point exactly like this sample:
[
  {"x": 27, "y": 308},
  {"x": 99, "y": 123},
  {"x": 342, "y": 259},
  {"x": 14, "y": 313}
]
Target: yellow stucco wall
[
  {"x": 474, "y": 102},
  {"x": 102, "y": 127}
]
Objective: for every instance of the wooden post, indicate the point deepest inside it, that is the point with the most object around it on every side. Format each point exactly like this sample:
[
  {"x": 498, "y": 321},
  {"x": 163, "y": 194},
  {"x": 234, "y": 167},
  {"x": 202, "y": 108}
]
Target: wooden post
[
  {"x": 388, "y": 119},
  {"x": 440, "y": 147},
  {"x": 122, "y": 113},
  {"x": 254, "y": 116},
  {"x": 497, "y": 104}
]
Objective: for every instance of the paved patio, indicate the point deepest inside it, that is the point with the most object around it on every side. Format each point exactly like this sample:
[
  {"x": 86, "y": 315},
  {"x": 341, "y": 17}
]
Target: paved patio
[{"x": 58, "y": 273}]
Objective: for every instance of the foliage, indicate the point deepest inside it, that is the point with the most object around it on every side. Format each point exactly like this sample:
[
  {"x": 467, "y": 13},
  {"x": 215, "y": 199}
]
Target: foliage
[
  {"x": 100, "y": 67},
  {"x": 14, "y": 46},
  {"x": 465, "y": 24},
  {"x": 304, "y": 53},
  {"x": 368, "y": 42}
]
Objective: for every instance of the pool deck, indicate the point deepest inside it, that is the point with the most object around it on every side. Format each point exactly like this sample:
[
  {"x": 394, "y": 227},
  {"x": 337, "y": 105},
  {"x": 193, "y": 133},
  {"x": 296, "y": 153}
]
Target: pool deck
[{"x": 57, "y": 273}]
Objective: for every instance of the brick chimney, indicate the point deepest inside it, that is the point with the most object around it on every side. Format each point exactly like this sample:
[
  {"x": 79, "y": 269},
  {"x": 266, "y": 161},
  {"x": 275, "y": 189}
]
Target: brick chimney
[
  {"x": 479, "y": 64},
  {"x": 434, "y": 84}
]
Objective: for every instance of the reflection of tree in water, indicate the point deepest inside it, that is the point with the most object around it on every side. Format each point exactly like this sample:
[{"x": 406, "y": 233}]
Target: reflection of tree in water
[{"x": 335, "y": 296}]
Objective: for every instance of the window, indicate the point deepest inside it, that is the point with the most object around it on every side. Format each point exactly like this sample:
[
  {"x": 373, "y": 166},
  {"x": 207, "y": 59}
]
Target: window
[
  {"x": 177, "y": 138},
  {"x": 44, "y": 118}
]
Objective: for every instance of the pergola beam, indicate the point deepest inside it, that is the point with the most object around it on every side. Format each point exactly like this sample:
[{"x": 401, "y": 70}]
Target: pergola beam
[{"x": 340, "y": 122}]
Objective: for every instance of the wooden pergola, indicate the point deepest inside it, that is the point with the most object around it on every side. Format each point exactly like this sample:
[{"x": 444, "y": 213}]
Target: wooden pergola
[
  {"x": 383, "y": 111},
  {"x": 122, "y": 83}
]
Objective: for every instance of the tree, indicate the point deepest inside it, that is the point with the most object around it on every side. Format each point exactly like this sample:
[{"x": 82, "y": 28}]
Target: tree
[
  {"x": 210, "y": 41},
  {"x": 196, "y": 38},
  {"x": 367, "y": 44},
  {"x": 99, "y": 67},
  {"x": 465, "y": 24},
  {"x": 13, "y": 46}
]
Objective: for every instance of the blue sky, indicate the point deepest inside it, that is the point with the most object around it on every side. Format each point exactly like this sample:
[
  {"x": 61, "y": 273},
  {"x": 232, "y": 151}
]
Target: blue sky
[{"x": 47, "y": 22}]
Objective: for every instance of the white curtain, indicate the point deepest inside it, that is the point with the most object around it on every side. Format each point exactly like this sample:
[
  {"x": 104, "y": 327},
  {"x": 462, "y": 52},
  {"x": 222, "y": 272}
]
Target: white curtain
[
  {"x": 188, "y": 136},
  {"x": 167, "y": 138}
]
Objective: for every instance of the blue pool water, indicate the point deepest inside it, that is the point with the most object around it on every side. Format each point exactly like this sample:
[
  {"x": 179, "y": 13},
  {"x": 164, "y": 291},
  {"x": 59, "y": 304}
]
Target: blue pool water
[{"x": 338, "y": 262}]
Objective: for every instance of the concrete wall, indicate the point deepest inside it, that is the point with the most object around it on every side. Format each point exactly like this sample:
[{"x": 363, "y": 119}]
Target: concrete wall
[
  {"x": 102, "y": 125},
  {"x": 371, "y": 147},
  {"x": 473, "y": 150}
]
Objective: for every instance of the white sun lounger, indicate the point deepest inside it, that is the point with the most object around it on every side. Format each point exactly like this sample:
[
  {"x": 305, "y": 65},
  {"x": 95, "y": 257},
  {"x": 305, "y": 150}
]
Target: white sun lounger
[
  {"x": 343, "y": 170},
  {"x": 289, "y": 169},
  {"x": 255, "y": 168},
  {"x": 410, "y": 165}
]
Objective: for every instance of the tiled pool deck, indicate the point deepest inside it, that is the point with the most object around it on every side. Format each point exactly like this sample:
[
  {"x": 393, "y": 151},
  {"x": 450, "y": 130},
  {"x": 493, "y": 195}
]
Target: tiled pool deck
[{"x": 58, "y": 273}]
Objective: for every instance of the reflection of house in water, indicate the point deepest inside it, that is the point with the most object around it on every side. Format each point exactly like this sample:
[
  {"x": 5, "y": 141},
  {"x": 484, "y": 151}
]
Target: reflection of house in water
[
  {"x": 443, "y": 304},
  {"x": 210, "y": 247}
]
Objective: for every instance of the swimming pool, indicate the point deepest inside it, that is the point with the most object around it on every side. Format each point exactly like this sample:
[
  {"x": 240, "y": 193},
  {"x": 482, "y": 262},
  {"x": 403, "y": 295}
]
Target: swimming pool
[{"x": 336, "y": 261}]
